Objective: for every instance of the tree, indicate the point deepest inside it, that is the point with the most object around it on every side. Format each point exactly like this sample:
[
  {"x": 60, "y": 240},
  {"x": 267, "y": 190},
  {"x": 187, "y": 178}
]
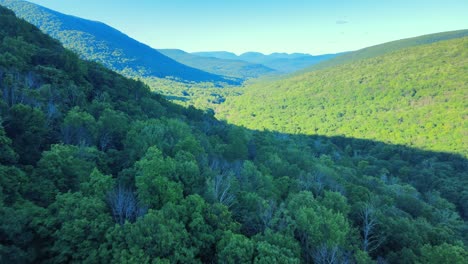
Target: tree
[
  {"x": 252, "y": 180},
  {"x": 26, "y": 126},
  {"x": 325, "y": 254},
  {"x": 112, "y": 128},
  {"x": 78, "y": 127},
  {"x": 444, "y": 253},
  {"x": 371, "y": 239},
  {"x": 78, "y": 225},
  {"x": 335, "y": 201},
  {"x": 267, "y": 253},
  {"x": 98, "y": 184},
  {"x": 316, "y": 226},
  {"x": 124, "y": 205},
  {"x": 7, "y": 154},
  {"x": 237, "y": 144},
  {"x": 62, "y": 169},
  {"x": 159, "y": 235},
  {"x": 21, "y": 239},
  {"x": 251, "y": 211},
  {"x": 141, "y": 136},
  {"x": 189, "y": 144},
  {"x": 13, "y": 182},
  {"x": 234, "y": 248},
  {"x": 220, "y": 188},
  {"x": 188, "y": 173},
  {"x": 271, "y": 247},
  {"x": 197, "y": 215},
  {"x": 153, "y": 183}
]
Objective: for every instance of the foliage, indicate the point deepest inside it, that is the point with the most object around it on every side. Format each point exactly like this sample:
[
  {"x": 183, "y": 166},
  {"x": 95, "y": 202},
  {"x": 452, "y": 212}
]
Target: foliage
[
  {"x": 443, "y": 254},
  {"x": 121, "y": 175},
  {"x": 201, "y": 95},
  {"x": 413, "y": 97}
]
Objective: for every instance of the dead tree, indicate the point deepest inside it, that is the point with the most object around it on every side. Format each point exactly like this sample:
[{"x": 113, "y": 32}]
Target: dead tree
[
  {"x": 371, "y": 238},
  {"x": 124, "y": 205},
  {"x": 221, "y": 188}
]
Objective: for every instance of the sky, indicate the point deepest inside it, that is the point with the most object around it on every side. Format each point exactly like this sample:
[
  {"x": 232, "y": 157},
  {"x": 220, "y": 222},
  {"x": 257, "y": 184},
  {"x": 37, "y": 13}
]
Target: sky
[{"x": 305, "y": 26}]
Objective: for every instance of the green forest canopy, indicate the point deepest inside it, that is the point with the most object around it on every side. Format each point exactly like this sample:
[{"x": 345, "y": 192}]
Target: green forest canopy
[
  {"x": 415, "y": 97},
  {"x": 95, "y": 168}
]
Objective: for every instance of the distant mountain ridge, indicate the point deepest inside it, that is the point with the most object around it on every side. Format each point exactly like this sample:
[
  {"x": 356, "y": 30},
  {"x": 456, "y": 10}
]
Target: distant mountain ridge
[
  {"x": 228, "y": 67},
  {"x": 99, "y": 42},
  {"x": 282, "y": 62},
  {"x": 218, "y": 54},
  {"x": 388, "y": 47}
]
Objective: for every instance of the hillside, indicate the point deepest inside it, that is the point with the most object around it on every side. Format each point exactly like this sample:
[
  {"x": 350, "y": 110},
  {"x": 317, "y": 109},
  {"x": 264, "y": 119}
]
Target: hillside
[
  {"x": 95, "y": 168},
  {"x": 226, "y": 67},
  {"x": 101, "y": 43},
  {"x": 281, "y": 62},
  {"x": 415, "y": 97},
  {"x": 388, "y": 47}
]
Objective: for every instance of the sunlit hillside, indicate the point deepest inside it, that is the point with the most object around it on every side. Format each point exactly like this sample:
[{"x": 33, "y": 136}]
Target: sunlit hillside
[{"x": 416, "y": 97}]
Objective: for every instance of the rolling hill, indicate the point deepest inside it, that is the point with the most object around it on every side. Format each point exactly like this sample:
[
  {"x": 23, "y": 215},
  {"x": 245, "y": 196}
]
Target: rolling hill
[
  {"x": 101, "y": 43},
  {"x": 388, "y": 47},
  {"x": 227, "y": 67},
  {"x": 282, "y": 62},
  {"x": 414, "y": 96}
]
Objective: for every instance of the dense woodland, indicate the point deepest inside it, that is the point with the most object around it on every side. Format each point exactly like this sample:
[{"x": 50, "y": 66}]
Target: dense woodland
[
  {"x": 96, "y": 168},
  {"x": 415, "y": 96}
]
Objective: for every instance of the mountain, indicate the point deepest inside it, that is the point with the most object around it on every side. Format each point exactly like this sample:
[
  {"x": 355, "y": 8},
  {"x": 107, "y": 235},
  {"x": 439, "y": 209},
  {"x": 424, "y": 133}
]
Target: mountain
[
  {"x": 218, "y": 54},
  {"x": 414, "y": 96},
  {"x": 101, "y": 43},
  {"x": 226, "y": 67},
  {"x": 389, "y": 47},
  {"x": 96, "y": 168},
  {"x": 259, "y": 57},
  {"x": 282, "y": 62}
]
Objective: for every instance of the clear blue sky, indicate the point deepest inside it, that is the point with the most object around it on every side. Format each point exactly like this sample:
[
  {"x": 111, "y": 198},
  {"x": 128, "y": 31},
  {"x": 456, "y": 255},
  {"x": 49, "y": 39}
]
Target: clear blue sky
[{"x": 309, "y": 26}]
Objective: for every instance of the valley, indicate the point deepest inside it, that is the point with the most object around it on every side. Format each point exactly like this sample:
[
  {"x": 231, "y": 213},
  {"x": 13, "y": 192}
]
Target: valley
[{"x": 112, "y": 151}]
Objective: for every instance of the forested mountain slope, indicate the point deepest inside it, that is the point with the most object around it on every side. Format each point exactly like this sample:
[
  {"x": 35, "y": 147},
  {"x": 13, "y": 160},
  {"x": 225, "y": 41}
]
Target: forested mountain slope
[
  {"x": 101, "y": 43},
  {"x": 416, "y": 97},
  {"x": 389, "y": 47},
  {"x": 94, "y": 168},
  {"x": 281, "y": 62},
  {"x": 227, "y": 67}
]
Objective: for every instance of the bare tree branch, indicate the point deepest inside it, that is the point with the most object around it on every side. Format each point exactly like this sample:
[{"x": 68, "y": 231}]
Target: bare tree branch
[{"x": 124, "y": 205}]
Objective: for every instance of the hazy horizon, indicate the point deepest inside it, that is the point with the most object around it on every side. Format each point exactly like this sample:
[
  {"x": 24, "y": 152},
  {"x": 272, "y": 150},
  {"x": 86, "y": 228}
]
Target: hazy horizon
[{"x": 296, "y": 26}]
